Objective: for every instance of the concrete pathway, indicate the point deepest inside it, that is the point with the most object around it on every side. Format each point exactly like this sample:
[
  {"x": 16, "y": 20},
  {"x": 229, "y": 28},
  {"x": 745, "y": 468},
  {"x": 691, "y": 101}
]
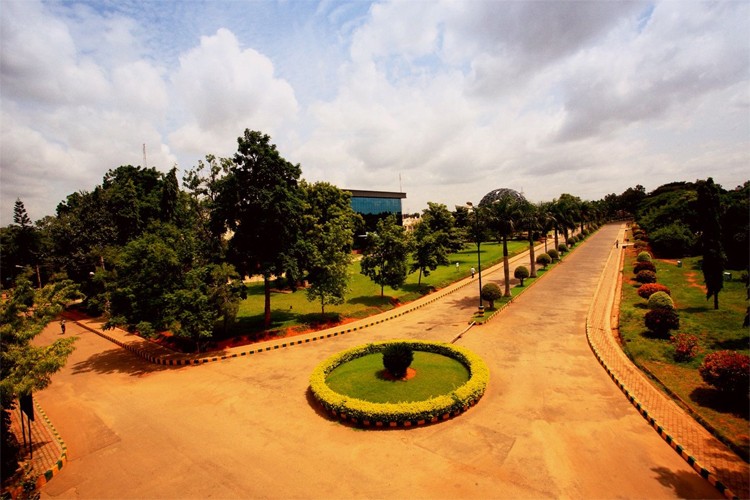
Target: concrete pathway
[{"x": 552, "y": 424}]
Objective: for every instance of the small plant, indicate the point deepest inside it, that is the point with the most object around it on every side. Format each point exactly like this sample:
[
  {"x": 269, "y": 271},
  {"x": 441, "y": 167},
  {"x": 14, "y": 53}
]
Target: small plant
[
  {"x": 646, "y": 277},
  {"x": 647, "y": 290},
  {"x": 571, "y": 241},
  {"x": 660, "y": 300},
  {"x": 522, "y": 272},
  {"x": 396, "y": 359},
  {"x": 491, "y": 292},
  {"x": 728, "y": 371},
  {"x": 145, "y": 329},
  {"x": 661, "y": 321},
  {"x": 644, "y": 266},
  {"x": 643, "y": 257},
  {"x": 544, "y": 259},
  {"x": 553, "y": 254},
  {"x": 562, "y": 248},
  {"x": 640, "y": 244},
  {"x": 685, "y": 346}
]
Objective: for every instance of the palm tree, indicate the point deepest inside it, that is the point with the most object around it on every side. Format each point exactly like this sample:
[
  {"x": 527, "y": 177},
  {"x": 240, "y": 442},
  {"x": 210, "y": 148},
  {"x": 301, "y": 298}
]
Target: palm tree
[
  {"x": 504, "y": 207},
  {"x": 546, "y": 217},
  {"x": 529, "y": 220}
]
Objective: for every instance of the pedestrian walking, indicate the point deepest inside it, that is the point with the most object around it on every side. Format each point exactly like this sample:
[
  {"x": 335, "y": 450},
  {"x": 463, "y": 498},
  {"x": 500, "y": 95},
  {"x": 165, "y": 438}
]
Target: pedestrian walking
[
  {"x": 62, "y": 326},
  {"x": 617, "y": 243},
  {"x": 472, "y": 272}
]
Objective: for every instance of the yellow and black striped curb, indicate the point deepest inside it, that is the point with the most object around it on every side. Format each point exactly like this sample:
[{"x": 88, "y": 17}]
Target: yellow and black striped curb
[
  {"x": 45, "y": 477},
  {"x": 680, "y": 449}
]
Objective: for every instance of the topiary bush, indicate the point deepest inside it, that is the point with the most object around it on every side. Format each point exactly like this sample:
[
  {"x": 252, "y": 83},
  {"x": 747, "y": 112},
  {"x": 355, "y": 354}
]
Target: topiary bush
[
  {"x": 571, "y": 242},
  {"x": 396, "y": 359},
  {"x": 646, "y": 277},
  {"x": 645, "y": 291},
  {"x": 553, "y": 254},
  {"x": 728, "y": 371},
  {"x": 491, "y": 292},
  {"x": 685, "y": 346},
  {"x": 562, "y": 248},
  {"x": 660, "y": 300},
  {"x": 644, "y": 266},
  {"x": 522, "y": 272},
  {"x": 643, "y": 257},
  {"x": 661, "y": 321},
  {"x": 544, "y": 259}
]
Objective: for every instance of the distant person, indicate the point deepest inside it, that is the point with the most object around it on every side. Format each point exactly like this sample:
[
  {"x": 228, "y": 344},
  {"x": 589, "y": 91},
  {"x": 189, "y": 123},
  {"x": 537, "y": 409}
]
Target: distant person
[
  {"x": 456, "y": 266},
  {"x": 472, "y": 272},
  {"x": 617, "y": 243},
  {"x": 62, "y": 327}
]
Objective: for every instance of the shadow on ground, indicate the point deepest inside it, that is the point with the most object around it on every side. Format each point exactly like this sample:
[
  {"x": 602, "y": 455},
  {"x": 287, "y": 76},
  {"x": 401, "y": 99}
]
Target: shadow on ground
[{"x": 116, "y": 360}]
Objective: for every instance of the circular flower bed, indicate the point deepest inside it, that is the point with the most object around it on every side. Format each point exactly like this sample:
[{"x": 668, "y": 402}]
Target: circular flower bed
[{"x": 404, "y": 414}]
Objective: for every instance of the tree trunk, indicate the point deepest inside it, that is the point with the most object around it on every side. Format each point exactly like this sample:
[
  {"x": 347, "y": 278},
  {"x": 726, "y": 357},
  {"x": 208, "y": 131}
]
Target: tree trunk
[
  {"x": 419, "y": 280},
  {"x": 716, "y": 300},
  {"x": 381, "y": 290},
  {"x": 506, "y": 267},
  {"x": 267, "y": 306},
  {"x": 533, "y": 260},
  {"x": 557, "y": 244}
]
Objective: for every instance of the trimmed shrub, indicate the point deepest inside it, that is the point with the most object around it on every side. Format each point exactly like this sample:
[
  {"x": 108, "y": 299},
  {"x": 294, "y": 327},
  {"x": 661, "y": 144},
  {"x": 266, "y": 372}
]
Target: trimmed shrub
[
  {"x": 643, "y": 257},
  {"x": 660, "y": 300},
  {"x": 646, "y": 265},
  {"x": 562, "y": 248},
  {"x": 522, "y": 272},
  {"x": 645, "y": 291},
  {"x": 640, "y": 245},
  {"x": 685, "y": 346},
  {"x": 396, "y": 358},
  {"x": 491, "y": 292},
  {"x": 553, "y": 254},
  {"x": 728, "y": 371},
  {"x": 544, "y": 259},
  {"x": 571, "y": 242},
  {"x": 429, "y": 410},
  {"x": 646, "y": 277},
  {"x": 661, "y": 321}
]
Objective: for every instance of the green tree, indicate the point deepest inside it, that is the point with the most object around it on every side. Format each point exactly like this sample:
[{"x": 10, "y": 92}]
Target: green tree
[
  {"x": 327, "y": 244},
  {"x": 435, "y": 237},
  {"x": 24, "y": 367},
  {"x": 529, "y": 217},
  {"x": 169, "y": 196},
  {"x": 710, "y": 239},
  {"x": 261, "y": 202},
  {"x": 504, "y": 210},
  {"x": 384, "y": 259}
]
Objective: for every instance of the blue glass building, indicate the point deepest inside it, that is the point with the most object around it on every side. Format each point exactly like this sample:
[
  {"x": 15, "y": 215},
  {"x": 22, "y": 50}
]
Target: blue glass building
[{"x": 376, "y": 205}]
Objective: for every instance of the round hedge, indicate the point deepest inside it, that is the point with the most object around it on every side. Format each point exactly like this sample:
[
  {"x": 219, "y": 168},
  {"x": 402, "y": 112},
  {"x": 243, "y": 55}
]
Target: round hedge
[
  {"x": 404, "y": 414},
  {"x": 660, "y": 300}
]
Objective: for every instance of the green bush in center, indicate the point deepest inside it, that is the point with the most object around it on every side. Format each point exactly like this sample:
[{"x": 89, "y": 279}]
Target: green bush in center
[{"x": 396, "y": 359}]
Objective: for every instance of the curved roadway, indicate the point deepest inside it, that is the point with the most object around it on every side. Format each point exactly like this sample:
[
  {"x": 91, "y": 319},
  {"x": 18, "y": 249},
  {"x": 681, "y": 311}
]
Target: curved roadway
[{"x": 551, "y": 424}]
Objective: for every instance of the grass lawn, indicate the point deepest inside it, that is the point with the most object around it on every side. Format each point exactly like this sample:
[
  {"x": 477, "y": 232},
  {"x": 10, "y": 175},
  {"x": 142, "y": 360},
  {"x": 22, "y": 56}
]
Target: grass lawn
[
  {"x": 363, "y": 378},
  {"x": 293, "y": 310},
  {"x": 716, "y": 330}
]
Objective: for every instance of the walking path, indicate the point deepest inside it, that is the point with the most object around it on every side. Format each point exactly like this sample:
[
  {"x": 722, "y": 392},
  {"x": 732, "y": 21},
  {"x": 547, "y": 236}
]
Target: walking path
[{"x": 668, "y": 420}]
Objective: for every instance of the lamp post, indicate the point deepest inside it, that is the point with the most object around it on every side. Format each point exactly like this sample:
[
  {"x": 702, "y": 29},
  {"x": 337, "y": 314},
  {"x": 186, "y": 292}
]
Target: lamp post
[{"x": 478, "y": 240}]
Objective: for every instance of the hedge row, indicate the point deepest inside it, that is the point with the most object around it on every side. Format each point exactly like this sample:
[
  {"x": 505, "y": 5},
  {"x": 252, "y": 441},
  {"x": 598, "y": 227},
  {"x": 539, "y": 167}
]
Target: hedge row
[{"x": 409, "y": 413}]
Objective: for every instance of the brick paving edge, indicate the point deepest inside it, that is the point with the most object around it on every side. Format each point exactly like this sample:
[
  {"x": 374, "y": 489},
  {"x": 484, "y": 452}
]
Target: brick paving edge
[
  {"x": 702, "y": 471},
  {"x": 47, "y": 475}
]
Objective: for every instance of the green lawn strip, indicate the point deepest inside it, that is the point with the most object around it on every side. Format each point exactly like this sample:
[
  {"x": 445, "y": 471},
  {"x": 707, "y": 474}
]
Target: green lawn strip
[
  {"x": 363, "y": 378},
  {"x": 292, "y": 309},
  {"x": 715, "y": 330}
]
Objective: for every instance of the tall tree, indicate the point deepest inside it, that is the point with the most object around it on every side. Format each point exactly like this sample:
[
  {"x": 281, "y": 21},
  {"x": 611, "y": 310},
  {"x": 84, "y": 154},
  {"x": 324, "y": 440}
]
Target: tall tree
[
  {"x": 261, "y": 202},
  {"x": 169, "y": 195},
  {"x": 503, "y": 209},
  {"x": 529, "y": 220},
  {"x": 710, "y": 238},
  {"x": 25, "y": 367},
  {"x": 435, "y": 237},
  {"x": 326, "y": 249},
  {"x": 385, "y": 256}
]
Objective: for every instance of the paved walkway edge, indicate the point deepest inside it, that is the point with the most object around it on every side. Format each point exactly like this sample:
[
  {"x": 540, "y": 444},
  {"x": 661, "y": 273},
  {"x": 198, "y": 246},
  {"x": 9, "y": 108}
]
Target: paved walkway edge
[
  {"x": 47, "y": 475},
  {"x": 679, "y": 448}
]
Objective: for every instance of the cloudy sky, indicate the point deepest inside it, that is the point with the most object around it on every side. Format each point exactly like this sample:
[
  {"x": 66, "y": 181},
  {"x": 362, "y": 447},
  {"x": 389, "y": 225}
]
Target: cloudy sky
[{"x": 445, "y": 100}]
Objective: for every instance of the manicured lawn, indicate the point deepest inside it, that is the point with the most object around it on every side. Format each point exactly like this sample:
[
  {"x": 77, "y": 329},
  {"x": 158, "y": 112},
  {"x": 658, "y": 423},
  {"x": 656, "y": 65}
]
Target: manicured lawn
[
  {"x": 363, "y": 378},
  {"x": 715, "y": 330},
  {"x": 293, "y": 310}
]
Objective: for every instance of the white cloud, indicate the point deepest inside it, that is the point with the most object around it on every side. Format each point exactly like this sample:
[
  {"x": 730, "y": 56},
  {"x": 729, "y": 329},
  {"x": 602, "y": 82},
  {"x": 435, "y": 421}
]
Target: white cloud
[{"x": 225, "y": 89}]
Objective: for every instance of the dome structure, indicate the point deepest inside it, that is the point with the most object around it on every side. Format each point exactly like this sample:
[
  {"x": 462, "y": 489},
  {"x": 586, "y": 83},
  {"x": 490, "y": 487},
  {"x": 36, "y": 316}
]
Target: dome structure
[{"x": 501, "y": 193}]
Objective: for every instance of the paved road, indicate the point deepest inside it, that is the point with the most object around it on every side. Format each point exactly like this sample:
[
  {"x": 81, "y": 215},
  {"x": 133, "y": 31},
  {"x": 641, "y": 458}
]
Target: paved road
[{"x": 551, "y": 424}]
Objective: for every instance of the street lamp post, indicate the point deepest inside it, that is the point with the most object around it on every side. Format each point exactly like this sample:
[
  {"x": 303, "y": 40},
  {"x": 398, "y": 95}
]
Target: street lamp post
[{"x": 478, "y": 239}]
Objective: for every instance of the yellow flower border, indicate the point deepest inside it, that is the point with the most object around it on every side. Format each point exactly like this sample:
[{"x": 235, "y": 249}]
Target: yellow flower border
[{"x": 406, "y": 414}]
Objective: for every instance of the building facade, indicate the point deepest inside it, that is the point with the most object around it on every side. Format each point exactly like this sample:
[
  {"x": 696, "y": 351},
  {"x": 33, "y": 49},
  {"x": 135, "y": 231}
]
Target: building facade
[{"x": 376, "y": 205}]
